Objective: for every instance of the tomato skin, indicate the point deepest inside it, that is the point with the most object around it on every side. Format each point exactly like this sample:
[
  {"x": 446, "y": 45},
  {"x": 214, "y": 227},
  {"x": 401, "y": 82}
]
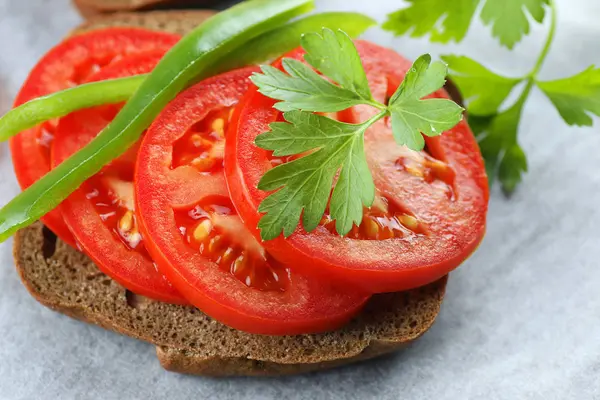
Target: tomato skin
[
  {"x": 28, "y": 169},
  {"x": 306, "y": 306},
  {"x": 131, "y": 268},
  {"x": 68, "y": 64},
  {"x": 373, "y": 265}
]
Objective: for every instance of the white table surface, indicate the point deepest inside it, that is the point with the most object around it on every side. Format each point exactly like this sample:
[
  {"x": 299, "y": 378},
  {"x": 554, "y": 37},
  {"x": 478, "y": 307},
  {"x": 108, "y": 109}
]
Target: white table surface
[{"x": 521, "y": 319}]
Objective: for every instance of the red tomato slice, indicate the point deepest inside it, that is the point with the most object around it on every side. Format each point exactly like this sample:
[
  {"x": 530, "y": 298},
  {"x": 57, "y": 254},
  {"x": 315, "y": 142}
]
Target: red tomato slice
[
  {"x": 100, "y": 214},
  {"x": 430, "y": 209},
  {"x": 198, "y": 241},
  {"x": 67, "y": 65}
]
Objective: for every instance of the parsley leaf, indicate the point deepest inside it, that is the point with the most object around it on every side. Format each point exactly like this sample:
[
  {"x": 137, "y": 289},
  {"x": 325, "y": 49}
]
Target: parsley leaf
[
  {"x": 343, "y": 66},
  {"x": 307, "y": 181},
  {"x": 331, "y": 153},
  {"x": 512, "y": 168},
  {"x": 449, "y": 20},
  {"x": 484, "y": 90},
  {"x": 413, "y": 117},
  {"x": 509, "y": 20},
  {"x": 503, "y": 156},
  {"x": 575, "y": 97},
  {"x": 445, "y": 20},
  {"x": 304, "y": 89}
]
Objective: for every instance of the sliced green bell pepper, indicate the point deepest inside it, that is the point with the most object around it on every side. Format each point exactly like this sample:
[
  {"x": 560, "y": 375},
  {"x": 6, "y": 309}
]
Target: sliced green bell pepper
[{"x": 265, "y": 47}]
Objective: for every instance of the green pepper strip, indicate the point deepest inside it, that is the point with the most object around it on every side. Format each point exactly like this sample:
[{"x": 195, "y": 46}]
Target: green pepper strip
[
  {"x": 279, "y": 41},
  {"x": 265, "y": 47},
  {"x": 66, "y": 101},
  {"x": 193, "y": 58}
]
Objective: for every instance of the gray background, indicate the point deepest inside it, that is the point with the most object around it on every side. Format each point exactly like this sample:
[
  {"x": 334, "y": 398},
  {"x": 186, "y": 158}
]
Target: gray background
[{"x": 522, "y": 316}]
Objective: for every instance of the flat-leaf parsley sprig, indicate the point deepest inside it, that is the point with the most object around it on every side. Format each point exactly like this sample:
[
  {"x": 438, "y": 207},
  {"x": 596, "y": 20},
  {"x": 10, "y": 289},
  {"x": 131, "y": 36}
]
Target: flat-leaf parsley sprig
[
  {"x": 446, "y": 21},
  {"x": 495, "y": 123},
  {"x": 336, "y": 156}
]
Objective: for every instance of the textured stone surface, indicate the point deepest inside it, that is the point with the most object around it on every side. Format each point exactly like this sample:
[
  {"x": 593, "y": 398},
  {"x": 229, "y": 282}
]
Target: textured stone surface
[{"x": 522, "y": 316}]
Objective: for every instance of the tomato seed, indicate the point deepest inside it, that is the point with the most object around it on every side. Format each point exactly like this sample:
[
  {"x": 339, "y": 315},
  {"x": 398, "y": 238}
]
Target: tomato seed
[{"x": 126, "y": 222}]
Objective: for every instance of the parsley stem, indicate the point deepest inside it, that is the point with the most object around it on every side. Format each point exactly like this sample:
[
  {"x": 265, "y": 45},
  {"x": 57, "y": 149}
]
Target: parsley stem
[
  {"x": 367, "y": 124},
  {"x": 549, "y": 40},
  {"x": 531, "y": 78},
  {"x": 377, "y": 105}
]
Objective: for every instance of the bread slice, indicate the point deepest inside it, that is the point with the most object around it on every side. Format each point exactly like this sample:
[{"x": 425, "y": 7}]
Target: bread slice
[
  {"x": 172, "y": 21},
  {"x": 90, "y": 8},
  {"x": 187, "y": 340}
]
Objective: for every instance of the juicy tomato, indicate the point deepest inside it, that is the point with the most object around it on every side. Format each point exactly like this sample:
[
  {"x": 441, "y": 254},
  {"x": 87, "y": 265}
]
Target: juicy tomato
[
  {"x": 430, "y": 208},
  {"x": 100, "y": 214},
  {"x": 66, "y": 65},
  {"x": 194, "y": 234}
]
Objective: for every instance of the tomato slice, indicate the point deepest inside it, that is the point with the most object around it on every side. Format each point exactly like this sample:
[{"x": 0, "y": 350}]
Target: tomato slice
[
  {"x": 198, "y": 241},
  {"x": 67, "y": 65},
  {"x": 100, "y": 214},
  {"x": 430, "y": 209}
]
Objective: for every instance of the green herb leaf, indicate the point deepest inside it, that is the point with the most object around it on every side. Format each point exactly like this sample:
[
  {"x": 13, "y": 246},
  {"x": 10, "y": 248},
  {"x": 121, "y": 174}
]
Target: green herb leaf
[
  {"x": 302, "y": 89},
  {"x": 480, "y": 123},
  {"x": 332, "y": 153},
  {"x": 411, "y": 116},
  {"x": 509, "y": 19},
  {"x": 484, "y": 90},
  {"x": 503, "y": 156},
  {"x": 332, "y": 53},
  {"x": 429, "y": 117},
  {"x": 305, "y": 184},
  {"x": 444, "y": 20},
  {"x": 342, "y": 65},
  {"x": 511, "y": 168},
  {"x": 575, "y": 97}
]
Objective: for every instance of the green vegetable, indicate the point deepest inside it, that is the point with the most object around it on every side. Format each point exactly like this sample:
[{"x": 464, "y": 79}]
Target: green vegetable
[
  {"x": 576, "y": 96},
  {"x": 304, "y": 89},
  {"x": 509, "y": 20},
  {"x": 496, "y": 123},
  {"x": 444, "y": 20},
  {"x": 195, "y": 57},
  {"x": 66, "y": 101},
  {"x": 280, "y": 40},
  {"x": 447, "y": 21},
  {"x": 483, "y": 89},
  {"x": 504, "y": 156},
  {"x": 304, "y": 185},
  {"x": 412, "y": 117},
  {"x": 266, "y": 46}
]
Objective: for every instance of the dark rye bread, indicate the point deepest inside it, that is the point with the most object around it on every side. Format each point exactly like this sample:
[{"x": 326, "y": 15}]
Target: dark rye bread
[
  {"x": 188, "y": 341},
  {"x": 172, "y": 21},
  {"x": 90, "y": 8}
]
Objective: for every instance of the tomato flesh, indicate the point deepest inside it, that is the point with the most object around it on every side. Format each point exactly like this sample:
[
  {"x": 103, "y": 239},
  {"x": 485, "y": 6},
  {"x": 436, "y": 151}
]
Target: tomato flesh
[
  {"x": 197, "y": 239},
  {"x": 430, "y": 208},
  {"x": 69, "y": 64},
  {"x": 101, "y": 213},
  {"x": 215, "y": 231},
  {"x": 212, "y": 227}
]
